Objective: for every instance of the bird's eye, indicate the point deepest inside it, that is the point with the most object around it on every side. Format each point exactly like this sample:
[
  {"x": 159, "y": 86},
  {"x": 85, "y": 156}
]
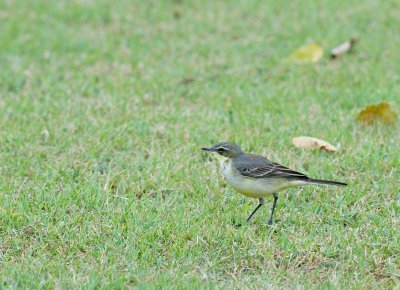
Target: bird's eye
[{"x": 221, "y": 149}]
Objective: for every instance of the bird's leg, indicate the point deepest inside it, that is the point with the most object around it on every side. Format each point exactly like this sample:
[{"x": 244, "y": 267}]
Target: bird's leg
[
  {"x": 260, "y": 203},
  {"x": 273, "y": 208}
]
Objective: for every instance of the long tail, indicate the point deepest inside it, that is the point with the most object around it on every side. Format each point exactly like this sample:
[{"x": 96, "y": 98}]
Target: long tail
[{"x": 326, "y": 182}]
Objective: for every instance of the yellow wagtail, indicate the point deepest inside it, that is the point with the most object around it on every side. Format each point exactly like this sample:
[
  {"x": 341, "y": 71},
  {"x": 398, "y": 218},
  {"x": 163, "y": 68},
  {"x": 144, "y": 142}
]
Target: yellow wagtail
[{"x": 257, "y": 177}]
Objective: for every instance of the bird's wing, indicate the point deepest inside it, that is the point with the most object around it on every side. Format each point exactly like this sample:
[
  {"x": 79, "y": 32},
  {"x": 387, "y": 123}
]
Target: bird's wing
[{"x": 256, "y": 166}]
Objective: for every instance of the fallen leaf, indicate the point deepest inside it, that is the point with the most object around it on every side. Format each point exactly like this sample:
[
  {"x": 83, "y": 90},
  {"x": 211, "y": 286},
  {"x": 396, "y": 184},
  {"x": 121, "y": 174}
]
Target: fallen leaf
[
  {"x": 342, "y": 48},
  {"x": 381, "y": 112},
  {"x": 310, "y": 53},
  {"x": 312, "y": 143}
]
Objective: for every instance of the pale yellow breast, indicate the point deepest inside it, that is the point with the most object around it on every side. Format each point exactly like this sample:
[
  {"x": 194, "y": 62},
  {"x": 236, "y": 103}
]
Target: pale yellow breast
[{"x": 254, "y": 187}]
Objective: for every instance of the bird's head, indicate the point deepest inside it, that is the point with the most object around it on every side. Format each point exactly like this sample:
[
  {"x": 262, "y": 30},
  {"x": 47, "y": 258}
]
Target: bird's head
[{"x": 226, "y": 149}]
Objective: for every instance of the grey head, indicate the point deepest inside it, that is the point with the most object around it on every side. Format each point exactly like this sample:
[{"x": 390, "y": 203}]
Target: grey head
[{"x": 227, "y": 149}]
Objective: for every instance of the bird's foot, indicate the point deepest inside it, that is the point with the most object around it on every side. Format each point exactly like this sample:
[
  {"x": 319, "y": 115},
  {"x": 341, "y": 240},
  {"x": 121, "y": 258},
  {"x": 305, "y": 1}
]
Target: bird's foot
[
  {"x": 235, "y": 225},
  {"x": 271, "y": 222}
]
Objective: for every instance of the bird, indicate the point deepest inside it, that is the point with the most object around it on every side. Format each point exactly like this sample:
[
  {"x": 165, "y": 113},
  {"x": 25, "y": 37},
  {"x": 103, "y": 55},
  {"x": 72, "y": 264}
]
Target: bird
[{"x": 257, "y": 177}]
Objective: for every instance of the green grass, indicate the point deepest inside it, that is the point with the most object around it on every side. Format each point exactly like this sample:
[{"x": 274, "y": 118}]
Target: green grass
[{"x": 102, "y": 180}]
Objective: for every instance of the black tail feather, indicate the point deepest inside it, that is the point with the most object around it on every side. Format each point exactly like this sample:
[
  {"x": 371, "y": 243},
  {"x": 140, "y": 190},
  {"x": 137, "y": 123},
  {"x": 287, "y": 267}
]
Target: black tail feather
[{"x": 326, "y": 182}]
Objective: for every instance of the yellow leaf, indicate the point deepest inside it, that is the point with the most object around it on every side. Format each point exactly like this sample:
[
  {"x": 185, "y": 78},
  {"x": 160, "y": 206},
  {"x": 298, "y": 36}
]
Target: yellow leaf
[
  {"x": 311, "y": 53},
  {"x": 381, "y": 112},
  {"x": 312, "y": 143}
]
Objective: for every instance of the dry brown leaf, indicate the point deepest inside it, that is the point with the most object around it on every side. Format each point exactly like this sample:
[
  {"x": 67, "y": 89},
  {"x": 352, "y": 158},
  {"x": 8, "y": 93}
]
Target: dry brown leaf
[
  {"x": 342, "y": 48},
  {"x": 312, "y": 143},
  {"x": 310, "y": 53},
  {"x": 381, "y": 112}
]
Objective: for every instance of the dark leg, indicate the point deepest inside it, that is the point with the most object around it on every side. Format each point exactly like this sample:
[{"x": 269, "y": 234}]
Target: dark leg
[
  {"x": 273, "y": 208},
  {"x": 260, "y": 203}
]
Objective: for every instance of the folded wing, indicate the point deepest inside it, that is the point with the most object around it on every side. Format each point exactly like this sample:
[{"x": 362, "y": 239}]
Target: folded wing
[{"x": 257, "y": 166}]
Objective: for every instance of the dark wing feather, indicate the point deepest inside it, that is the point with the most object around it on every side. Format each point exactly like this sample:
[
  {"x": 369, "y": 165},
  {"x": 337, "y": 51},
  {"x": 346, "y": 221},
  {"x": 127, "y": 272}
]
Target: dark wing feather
[{"x": 256, "y": 166}]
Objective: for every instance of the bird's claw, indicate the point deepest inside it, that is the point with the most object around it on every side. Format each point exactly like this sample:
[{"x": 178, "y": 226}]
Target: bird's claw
[{"x": 272, "y": 222}]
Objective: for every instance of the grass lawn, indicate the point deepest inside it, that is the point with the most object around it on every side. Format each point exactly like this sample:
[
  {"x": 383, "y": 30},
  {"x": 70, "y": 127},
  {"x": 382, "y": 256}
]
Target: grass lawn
[{"x": 104, "y": 106}]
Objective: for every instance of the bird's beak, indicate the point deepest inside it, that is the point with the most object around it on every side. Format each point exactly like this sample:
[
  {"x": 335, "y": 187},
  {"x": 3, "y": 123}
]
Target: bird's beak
[{"x": 207, "y": 149}]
